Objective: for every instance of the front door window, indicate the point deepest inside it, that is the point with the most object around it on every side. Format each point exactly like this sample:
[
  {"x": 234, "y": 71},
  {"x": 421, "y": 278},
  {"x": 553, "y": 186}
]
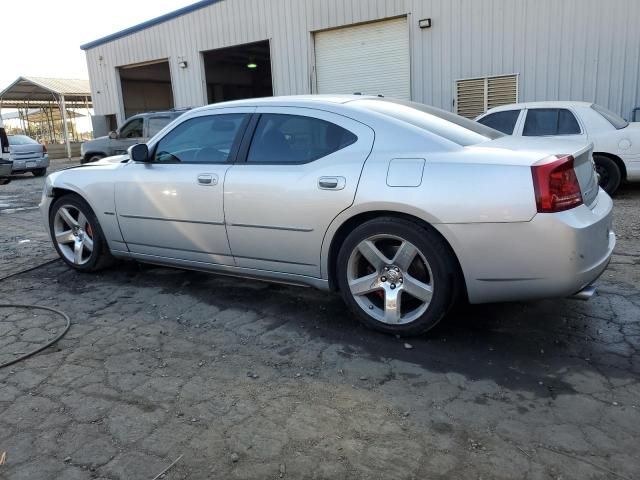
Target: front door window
[
  {"x": 132, "y": 129},
  {"x": 206, "y": 139}
]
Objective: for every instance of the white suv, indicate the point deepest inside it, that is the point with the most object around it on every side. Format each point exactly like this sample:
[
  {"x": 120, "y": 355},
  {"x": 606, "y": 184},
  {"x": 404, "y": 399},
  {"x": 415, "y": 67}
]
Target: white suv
[{"x": 616, "y": 142}]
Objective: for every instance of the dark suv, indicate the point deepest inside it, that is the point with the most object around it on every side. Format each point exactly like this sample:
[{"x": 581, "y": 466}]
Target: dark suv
[{"x": 5, "y": 163}]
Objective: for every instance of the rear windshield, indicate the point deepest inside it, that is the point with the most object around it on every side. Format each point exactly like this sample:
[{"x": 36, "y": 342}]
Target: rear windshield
[
  {"x": 445, "y": 124},
  {"x": 613, "y": 118},
  {"x": 21, "y": 140}
]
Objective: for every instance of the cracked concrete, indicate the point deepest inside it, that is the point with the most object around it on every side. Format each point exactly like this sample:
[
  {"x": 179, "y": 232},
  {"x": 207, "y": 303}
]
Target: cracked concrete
[{"x": 253, "y": 380}]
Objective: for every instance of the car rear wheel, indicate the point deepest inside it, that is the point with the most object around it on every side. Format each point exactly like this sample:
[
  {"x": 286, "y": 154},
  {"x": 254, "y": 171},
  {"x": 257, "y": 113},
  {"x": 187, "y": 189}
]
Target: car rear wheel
[
  {"x": 39, "y": 172},
  {"x": 397, "y": 276},
  {"x": 77, "y": 235},
  {"x": 609, "y": 172}
]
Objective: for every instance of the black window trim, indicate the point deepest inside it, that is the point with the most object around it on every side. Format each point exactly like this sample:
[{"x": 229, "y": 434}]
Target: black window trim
[
  {"x": 235, "y": 147},
  {"x": 247, "y": 140},
  {"x": 524, "y": 122}
]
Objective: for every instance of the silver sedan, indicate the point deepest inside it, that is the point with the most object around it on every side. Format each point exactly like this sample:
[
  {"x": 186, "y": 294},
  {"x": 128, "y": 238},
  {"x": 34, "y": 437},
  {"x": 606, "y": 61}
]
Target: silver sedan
[{"x": 402, "y": 208}]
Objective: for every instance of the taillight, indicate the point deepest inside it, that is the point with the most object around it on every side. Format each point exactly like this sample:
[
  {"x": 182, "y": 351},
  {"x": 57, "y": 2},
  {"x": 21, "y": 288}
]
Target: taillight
[
  {"x": 555, "y": 184},
  {"x": 44, "y": 149}
]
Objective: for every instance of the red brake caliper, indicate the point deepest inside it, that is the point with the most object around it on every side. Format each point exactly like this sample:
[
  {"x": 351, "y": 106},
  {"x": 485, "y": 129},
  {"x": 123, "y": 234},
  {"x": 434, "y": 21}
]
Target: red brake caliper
[{"x": 89, "y": 230}]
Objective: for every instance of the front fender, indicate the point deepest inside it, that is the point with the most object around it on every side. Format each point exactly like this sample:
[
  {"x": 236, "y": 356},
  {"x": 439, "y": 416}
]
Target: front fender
[{"x": 98, "y": 191}]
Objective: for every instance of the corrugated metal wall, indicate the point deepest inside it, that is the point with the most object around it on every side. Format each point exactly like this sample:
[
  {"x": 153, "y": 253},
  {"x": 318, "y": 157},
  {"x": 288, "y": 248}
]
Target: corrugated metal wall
[{"x": 562, "y": 49}]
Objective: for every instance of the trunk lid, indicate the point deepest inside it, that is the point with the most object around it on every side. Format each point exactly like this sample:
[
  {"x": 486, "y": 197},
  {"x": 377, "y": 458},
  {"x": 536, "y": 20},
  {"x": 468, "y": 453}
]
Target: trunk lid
[
  {"x": 538, "y": 148},
  {"x": 587, "y": 178},
  {"x": 31, "y": 151}
]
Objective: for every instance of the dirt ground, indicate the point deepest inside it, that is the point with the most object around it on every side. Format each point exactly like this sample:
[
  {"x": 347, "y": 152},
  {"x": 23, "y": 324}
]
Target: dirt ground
[{"x": 241, "y": 379}]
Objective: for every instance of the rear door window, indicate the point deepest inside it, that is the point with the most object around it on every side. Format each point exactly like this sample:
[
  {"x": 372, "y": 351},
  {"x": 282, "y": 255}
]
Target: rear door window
[
  {"x": 156, "y": 124},
  {"x": 280, "y": 139},
  {"x": 504, "y": 122},
  {"x": 550, "y": 121}
]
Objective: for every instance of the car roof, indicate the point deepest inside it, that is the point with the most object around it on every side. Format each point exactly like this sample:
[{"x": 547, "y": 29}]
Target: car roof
[
  {"x": 173, "y": 112},
  {"x": 548, "y": 104},
  {"x": 288, "y": 100}
]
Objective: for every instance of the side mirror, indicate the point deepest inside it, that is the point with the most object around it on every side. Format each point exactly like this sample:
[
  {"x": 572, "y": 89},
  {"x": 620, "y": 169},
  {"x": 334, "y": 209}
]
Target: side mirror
[
  {"x": 139, "y": 153},
  {"x": 113, "y": 135}
]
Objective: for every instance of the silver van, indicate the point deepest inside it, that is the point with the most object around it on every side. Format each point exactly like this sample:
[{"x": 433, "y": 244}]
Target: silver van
[{"x": 137, "y": 129}]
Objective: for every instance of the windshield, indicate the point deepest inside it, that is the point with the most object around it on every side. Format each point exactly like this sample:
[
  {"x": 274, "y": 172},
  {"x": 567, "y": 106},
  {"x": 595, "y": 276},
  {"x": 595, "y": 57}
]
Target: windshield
[
  {"x": 21, "y": 140},
  {"x": 450, "y": 126},
  {"x": 613, "y": 118}
]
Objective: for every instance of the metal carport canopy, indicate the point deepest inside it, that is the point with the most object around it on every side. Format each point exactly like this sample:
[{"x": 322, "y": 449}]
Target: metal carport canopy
[{"x": 33, "y": 92}]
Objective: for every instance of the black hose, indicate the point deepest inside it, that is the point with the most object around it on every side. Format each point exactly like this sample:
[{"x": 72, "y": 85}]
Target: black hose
[
  {"x": 29, "y": 269},
  {"x": 46, "y": 345}
]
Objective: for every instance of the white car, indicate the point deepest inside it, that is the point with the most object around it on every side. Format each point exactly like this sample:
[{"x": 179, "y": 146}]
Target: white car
[{"x": 616, "y": 142}]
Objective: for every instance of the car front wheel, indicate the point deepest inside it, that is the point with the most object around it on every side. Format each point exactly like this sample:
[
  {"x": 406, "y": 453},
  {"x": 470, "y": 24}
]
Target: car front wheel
[
  {"x": 397, "y": 276},
  {"x": 77, "y": 235}
]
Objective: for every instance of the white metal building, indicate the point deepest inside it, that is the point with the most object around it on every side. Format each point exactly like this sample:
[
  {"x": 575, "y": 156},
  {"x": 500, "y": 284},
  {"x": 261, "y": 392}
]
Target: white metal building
[{"x": 461, "y": 55}]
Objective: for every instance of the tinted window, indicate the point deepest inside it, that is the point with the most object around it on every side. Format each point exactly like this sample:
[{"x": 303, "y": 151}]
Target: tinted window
[
  {"x": 296, "y": 139},
  {"x": 132, "y": 129},
  {"x": 567, "y": 123},
  {"x": 614, "y": 119},
  {"x": 504, "y": 122},
  {"x": 21, "y": 140},
  {"x": 208, "y": 139},
  {"x": 156, "y": 124},
  {"x": 550, "y": 121},
  {"x": 450, "y": 126}
]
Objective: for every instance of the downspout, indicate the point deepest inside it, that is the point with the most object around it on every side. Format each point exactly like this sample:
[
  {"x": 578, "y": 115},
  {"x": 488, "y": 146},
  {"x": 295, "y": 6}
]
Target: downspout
[{"x": 63, "y": 109}]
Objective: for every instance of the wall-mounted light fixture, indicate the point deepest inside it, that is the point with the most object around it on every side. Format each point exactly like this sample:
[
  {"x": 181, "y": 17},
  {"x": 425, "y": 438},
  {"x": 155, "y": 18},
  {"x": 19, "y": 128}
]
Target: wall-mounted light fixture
[
  {"x": 182, "y": 64},
  {"x": 424, "y": 23}
]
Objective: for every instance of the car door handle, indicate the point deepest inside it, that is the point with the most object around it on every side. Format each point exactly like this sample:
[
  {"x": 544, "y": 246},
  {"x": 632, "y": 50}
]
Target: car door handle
[
  {"x": 207, "y": 179},
  {"x": 331, "y": 183}
]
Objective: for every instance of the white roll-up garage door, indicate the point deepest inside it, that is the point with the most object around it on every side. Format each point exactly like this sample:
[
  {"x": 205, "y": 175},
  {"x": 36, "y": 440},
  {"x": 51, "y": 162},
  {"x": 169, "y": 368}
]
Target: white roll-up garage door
[{"x": 372, "y": 58}]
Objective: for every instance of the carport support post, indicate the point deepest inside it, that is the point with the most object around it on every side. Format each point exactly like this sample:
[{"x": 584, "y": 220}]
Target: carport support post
[{"x": 63, "y": 109}]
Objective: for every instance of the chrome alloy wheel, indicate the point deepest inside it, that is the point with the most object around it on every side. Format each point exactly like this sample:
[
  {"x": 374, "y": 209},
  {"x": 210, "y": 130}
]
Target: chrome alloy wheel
[
  {"x": 73, "y": 234},
  {"x": 390, "y": 279}
]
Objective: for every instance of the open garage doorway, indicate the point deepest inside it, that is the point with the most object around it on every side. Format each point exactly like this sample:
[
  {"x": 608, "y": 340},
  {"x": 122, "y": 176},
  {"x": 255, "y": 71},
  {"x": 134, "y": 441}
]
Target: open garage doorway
[
  {"x": 146, "y": 87},
  {"x": 242, "y": 71}
]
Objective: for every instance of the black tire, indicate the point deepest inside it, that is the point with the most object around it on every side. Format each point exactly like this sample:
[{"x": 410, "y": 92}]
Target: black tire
[
  {"x": 94, "y": 157},
  {"x": 444, "y": 273},
  {"x": 610, "y": 174},
  {"x": 40, "y": 172},
  {"x": 100, "y": 256}
]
